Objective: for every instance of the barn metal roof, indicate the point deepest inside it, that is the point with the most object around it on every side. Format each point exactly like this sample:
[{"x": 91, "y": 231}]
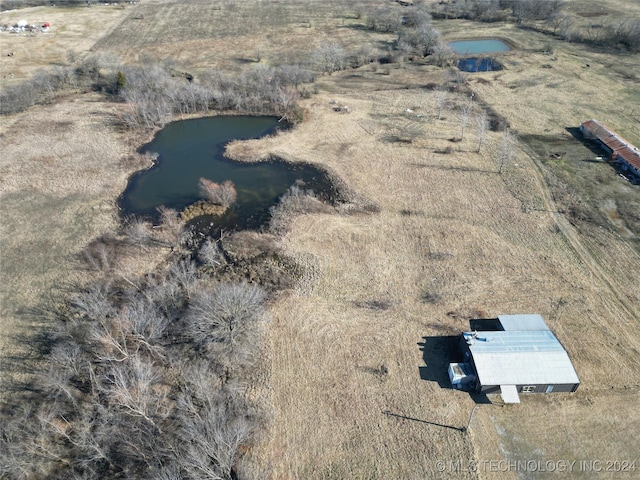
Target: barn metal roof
[
  {"x": 615, "y": 142},
  {"x": 520, "y": 358},
  {"x": 531, "y": 321}
]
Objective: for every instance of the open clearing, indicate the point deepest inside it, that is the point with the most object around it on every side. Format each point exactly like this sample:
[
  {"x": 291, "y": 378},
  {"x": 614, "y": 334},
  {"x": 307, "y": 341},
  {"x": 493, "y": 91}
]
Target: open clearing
[{"x": 452, "y": 239}]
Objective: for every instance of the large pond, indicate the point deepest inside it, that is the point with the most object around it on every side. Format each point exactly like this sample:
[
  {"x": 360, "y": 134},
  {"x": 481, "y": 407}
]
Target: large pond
[
  {"x": 191, "y": 149},
  {"x": 473, "y": 47}
]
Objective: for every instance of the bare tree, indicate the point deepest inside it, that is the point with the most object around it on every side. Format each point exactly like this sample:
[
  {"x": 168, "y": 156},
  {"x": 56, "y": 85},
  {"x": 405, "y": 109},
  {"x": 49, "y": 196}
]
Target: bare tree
[
  {"x": 146, "y": 323},
  {"x": 138, "y": 231},
  {"x": 330, "y": 57},
  {"x": 212, "y": 438},
  {"x": 166, "y": 294},
  {"x": 559, "y": 22},
  {"x": 294, "y": 75},
  {"x": 465, "y": 114},
  {"x": 625, "y": 32},
  {"x": 440, "y": 97},
  {"x": 482, "y": 125},
  {"x": 93, "y": 303},
  {"x": 295, "y": 201},
  {"x": 221, "y": 193},
  {"x": 529, "y": 10},
  {"x": 110, "y": 340},
  {"x": 99, "y": 255},
  {"x": 443, "y": 55},
  {"x": 27, "y": 449},
  {"x": 168, "y": 471},
  {"x": 172, "y": 228},
  {"x": 186, "y": 274},
  {"x": 364, "y": 55},
  {"x": 384, "y": 19},
  {"x": 131, "y": 386},
  {"x": 226, "y": 319},
  {"x": 210, "y": 254},
  {"x": 56, "y": 383}
]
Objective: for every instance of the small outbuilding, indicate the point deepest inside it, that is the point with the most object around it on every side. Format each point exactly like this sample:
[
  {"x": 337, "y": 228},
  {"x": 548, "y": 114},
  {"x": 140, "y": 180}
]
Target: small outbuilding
[{"x": 510, "y": 355}]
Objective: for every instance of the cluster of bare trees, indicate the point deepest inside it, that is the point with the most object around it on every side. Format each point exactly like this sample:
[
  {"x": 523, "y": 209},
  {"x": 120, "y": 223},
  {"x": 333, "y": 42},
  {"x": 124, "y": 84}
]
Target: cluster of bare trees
[
  {"x": 39, "y": 89},
  {"x": 549, "y": 16},
  {"x": 15, "y": 4},
  {"x": 416, "y": 35},
  {"x": 45, "y": 84},
  {"x": 154, "y": 93},
  {"x": 330, "y": 57},
  {"x": 623, "y": 33},
  {"x": 220, "y": 193},
  {"x": 497, "y": 10},
  {"x": 143, "y": 378}
]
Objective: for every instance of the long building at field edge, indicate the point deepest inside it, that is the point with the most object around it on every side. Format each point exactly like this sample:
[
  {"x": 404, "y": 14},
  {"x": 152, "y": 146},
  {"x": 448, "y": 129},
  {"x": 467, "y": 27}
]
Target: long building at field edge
[
  {"x": 619, "y": 150},
  {"x": 516, "y": 353}
]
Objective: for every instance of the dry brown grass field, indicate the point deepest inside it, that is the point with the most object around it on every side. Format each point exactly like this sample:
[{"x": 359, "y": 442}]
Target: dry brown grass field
[
  {"x": 229, "y": 35},
  {"x": 61, "y": 172},
  {"x": 72, "y": 34},
  {"x": 353, "y": 370}
]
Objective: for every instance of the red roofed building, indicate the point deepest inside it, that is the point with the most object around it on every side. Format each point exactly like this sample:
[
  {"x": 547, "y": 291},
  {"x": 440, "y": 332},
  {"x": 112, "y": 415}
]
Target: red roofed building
[{"x": 620, "y": 150}]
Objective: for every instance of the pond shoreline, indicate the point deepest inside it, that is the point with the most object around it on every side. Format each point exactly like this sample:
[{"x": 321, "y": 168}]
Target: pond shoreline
[{"x": 207, "y": 157}]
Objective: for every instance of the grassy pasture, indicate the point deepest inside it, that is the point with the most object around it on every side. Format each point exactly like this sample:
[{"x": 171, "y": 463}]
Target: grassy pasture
[
  {"x": 61, "y": 175},
  {"x": 453, "y": 239},
  {"x": 230, "y": 35},
  {"x": 457, "y": 233}
]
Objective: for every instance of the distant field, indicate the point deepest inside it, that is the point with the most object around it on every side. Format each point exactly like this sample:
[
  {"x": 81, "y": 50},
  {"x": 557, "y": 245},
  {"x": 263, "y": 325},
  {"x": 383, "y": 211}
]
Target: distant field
[
  {"x": 230, "y": 35},
  {"x": 450, "y": 238},
  {"x": 72, "y": 33}
]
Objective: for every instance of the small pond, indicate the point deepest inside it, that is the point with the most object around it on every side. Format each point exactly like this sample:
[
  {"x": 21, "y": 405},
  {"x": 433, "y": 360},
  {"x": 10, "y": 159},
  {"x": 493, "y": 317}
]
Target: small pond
[
  {"x": 191, "y": 149},
  {"x": 478, "y": 64},
  {"x": 474, "y": 47}
]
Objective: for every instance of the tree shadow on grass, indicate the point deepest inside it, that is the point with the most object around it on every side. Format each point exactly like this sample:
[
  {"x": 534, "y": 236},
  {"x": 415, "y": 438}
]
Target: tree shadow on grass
[{"x": 31, "y": 342}]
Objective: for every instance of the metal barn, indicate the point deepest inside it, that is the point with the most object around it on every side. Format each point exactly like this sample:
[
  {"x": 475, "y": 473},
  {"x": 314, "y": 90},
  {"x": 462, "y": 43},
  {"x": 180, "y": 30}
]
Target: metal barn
[
  {"x": 620, "y": 151},
  {"x": 516, "y": 354}
]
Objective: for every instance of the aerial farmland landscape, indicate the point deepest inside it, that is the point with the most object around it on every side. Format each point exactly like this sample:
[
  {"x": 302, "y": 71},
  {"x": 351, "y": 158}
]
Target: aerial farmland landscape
[{"x": 319, "y": 239}]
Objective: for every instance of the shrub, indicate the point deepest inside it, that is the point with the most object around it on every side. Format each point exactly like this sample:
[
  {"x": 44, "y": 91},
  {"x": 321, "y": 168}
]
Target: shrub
[{"x": 220, "y": 193}]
